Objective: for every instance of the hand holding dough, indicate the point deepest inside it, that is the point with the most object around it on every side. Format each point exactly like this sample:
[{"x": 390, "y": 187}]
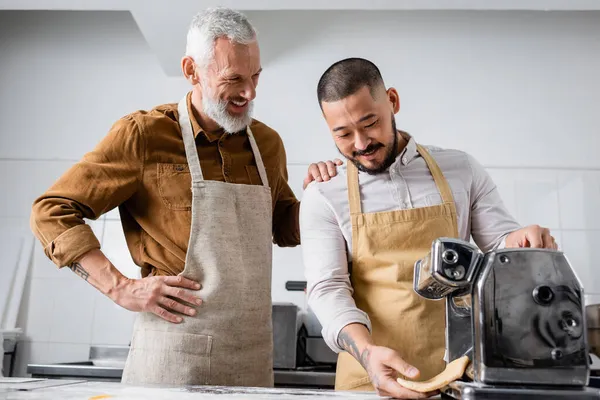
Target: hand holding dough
[{"x": 453, "y": 371}]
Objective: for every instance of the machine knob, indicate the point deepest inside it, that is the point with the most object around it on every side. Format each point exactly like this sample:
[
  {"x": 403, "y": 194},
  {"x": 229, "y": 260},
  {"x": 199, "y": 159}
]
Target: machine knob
[
  {"x": 457, "y": 273},
  {"x": 556, "y": 354},
  {"x": 543, "y": 295},
  {"x": 450, "y": 256}
]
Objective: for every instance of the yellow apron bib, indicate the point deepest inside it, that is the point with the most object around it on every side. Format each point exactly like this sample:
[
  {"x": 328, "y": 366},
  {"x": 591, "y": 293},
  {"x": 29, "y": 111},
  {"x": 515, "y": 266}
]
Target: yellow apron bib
[{"x": 385, "y": 246}]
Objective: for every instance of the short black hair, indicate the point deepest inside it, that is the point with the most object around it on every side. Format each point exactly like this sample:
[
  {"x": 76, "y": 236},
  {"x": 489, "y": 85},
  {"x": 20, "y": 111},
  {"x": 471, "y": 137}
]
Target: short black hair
[{"x": 347, "y": 77}]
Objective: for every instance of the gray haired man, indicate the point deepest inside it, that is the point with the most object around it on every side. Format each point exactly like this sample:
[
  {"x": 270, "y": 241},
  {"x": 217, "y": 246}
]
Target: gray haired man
[{"x": 202, "y": 192}]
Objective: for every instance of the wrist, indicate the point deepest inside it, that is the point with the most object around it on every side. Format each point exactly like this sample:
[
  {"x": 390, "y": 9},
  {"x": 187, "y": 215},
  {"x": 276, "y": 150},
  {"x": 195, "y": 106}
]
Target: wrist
[
  {"x": 369, "y": 347},
  {"x": 107, "y": 279},
  {"x": 117, "y": 288}
]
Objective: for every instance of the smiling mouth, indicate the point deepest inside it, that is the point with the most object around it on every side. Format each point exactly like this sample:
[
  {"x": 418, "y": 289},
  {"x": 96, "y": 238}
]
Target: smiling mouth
[
  {"x": 239, "y": 103},
  {"x": 370, "y": 155}
]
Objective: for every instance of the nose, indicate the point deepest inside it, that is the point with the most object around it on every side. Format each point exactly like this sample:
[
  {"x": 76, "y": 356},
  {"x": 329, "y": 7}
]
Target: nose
[
  {"x": 249, "y": 91},
  {"x": 361, "y": 142}
]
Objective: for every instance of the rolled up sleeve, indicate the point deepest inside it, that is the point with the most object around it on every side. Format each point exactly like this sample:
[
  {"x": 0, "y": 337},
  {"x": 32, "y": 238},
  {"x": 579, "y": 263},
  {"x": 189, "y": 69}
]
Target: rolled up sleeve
[
  {"x": 329, "y": 289},
  {"x": 101, "y": 181}
]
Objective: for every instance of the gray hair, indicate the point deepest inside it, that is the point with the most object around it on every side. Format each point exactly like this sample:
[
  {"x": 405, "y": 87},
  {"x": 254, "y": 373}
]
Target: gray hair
[{"x": 211, "y": 24}]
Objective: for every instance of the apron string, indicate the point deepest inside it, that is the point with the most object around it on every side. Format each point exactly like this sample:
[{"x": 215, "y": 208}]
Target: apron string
[
  {"x": 438, "y": 176},
  {"x": 191, "y": 151},
  {"x": 353, "y": 189},
  {"x": 257, "y": 157}
]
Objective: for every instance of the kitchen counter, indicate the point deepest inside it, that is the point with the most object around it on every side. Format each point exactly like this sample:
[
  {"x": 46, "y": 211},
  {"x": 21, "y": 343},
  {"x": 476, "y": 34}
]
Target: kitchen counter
[
  {"x": 111, "y": 390},
  {"x": 45, "y": 389},
  {"x": 89, "y": 371}
]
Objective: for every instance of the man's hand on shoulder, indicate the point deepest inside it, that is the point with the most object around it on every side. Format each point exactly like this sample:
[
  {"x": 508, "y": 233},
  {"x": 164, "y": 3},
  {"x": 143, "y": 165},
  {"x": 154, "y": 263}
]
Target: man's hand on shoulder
[{"x": 321, "y": 171}]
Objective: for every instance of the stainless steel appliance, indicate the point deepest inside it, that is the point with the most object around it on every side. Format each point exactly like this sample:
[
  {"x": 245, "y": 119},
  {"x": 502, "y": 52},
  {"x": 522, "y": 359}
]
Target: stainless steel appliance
[
  {"x": 285, "y": 335},
  {"x": 519, "y": 316}
]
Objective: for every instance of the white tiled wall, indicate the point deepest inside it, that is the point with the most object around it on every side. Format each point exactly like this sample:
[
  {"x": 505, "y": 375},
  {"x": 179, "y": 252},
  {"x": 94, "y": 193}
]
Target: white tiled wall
[{"x": 567, "y": 202}]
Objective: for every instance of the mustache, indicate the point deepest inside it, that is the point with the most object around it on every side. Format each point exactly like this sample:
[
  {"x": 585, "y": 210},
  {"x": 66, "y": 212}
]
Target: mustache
[{"x": 370, "y": 148}]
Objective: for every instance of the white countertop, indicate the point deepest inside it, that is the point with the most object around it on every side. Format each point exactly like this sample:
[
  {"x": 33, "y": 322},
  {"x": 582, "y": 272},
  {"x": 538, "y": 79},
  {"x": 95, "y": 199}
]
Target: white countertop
[{"x": 81, "y": 390}]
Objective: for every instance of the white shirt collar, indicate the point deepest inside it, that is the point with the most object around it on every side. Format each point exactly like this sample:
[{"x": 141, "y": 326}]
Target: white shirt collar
[{"x": 407, "y": 154}]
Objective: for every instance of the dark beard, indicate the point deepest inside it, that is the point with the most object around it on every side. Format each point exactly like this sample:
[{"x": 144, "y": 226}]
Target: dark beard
[{"x": 390, "y": 157}]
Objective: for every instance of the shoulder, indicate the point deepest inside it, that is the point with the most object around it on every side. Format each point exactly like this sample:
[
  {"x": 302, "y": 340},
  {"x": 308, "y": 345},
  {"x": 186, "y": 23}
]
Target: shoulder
[
  {"x": 160, "y": 118},
  {"x": 331, "y": 191},
  {"x": 459, "y": 164},
  {"x": 444, "y": 152},
  {"x": 144, "y": 123},
  {"x": 450, "y": 159}
]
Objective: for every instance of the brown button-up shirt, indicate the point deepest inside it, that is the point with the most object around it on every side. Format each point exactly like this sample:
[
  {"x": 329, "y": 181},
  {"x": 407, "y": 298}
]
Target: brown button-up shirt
[{"x": 141, "y": 167}]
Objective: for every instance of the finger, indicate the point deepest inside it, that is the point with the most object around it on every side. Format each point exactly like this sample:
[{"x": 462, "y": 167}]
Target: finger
[
  {"x": 397, "y": 363},
  {"x": 323, "y": 171},
  {"x": 555, "y": 244},
  {"x": 548, "y": 240},
  {"x": 314, "y": 172},
  {"x": 535, "y": 238},
  {"x": 331, "y": 168},
  {"x": 180, "y": 281},
  {"x": 338, "y": 162},
  {"x": 307, "y": 180},
  {"x": 173, "y": 305},
  {"x": 181, "y": 294},
  {"x": 164, "y": 314}
]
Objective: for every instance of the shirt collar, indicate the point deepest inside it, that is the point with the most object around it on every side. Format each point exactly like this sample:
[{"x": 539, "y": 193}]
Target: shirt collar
[
  {"x": 409, "y": 152},
  {"x": 196, "y": 128}
]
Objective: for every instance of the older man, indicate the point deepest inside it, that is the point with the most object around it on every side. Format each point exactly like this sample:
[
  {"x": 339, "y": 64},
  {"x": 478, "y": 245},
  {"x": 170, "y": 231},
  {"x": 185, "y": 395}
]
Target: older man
[
  {"x": 202, "y": 192},
  {"x": 364, "y": 229}
]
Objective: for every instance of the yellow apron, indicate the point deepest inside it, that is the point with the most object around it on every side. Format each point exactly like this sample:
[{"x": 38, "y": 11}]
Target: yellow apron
[{"x": 385, "y": 246}]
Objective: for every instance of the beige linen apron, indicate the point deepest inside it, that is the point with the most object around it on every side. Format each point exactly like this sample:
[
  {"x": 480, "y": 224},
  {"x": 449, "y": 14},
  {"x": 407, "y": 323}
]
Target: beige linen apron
[
  {"x": 229, "y": 341},
  {"x": 385, "y": 246}
]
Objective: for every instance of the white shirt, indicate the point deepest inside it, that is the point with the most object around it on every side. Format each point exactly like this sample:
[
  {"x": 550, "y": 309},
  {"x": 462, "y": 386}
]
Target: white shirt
[{"x": 326, "y": 231}]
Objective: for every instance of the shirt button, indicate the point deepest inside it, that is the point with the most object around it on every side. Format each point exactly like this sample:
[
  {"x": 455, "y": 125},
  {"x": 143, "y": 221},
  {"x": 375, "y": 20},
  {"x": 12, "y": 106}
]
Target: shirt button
[{"x": 404, "y": 160}]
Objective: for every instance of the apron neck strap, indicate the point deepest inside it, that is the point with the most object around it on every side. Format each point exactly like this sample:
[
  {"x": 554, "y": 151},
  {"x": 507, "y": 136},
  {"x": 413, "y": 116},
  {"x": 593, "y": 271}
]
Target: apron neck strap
[
  {"x": 436, "y": 172},
  {"x": 258, "y": 158},
  {"x": 191, "y": 151},
  {"x": 438, "y": 176},
  {"x": 189, "y": 142},
  {"x": 353, "y": 189}
]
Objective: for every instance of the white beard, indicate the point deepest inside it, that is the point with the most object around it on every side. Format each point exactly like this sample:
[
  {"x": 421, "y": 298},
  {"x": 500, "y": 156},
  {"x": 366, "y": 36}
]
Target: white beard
[{"x": 217, "y": 111}]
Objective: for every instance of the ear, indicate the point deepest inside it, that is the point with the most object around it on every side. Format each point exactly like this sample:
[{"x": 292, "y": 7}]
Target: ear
[
  {"x": 188, "y": 67},
  {"x": 394, "y": 99}
]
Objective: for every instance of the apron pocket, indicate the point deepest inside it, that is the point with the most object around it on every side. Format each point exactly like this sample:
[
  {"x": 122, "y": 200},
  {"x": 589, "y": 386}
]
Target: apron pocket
[
  {"x": 174, "y": 183},
  {"x": 174, "y": 358}
]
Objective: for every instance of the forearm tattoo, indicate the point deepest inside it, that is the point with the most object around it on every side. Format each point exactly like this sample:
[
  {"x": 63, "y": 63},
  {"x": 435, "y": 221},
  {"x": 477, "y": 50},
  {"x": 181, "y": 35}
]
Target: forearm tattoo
[
  {"x": 78, "y": 269},
  {"x": 348, "y": 344}
]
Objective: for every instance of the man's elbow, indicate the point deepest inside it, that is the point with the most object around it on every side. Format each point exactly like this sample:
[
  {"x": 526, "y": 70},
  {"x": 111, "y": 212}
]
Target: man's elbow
[
  {"x": 36, "y": 218},
  {"x": 286, "y": 235}
]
